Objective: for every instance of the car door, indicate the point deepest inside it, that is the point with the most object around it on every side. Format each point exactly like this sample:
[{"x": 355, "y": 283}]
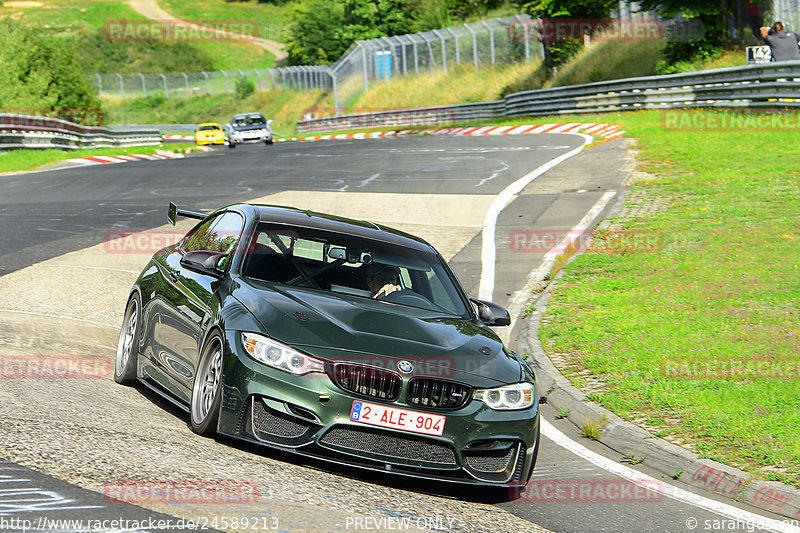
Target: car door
[{"x": 187, "y": 310}]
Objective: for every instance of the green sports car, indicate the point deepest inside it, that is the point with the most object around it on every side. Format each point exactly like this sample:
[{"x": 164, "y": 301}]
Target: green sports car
[{"x": 334, "y": 338}]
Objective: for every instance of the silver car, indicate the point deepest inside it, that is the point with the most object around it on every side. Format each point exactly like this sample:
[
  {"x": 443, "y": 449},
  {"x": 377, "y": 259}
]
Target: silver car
[{"x": 249, "y": 127}]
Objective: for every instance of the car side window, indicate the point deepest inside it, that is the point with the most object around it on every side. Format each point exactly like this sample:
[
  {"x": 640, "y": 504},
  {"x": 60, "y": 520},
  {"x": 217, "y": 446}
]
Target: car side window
[{"x": 217, "y": 234}]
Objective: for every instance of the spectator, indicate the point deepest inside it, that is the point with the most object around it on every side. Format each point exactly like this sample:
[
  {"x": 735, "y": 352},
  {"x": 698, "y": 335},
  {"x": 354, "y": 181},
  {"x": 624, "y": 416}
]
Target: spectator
[{"x": 783, "y": 44}]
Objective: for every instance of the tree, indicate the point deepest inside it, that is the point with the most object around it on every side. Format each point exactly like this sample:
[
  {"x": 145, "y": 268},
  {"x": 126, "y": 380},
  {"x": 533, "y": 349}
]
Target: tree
[
  {"x": 707, "y": 43},
  {"x": 41, "y": 76},
  {"x": 315, "y": 33},
  {"x": 561, "y": 51}
]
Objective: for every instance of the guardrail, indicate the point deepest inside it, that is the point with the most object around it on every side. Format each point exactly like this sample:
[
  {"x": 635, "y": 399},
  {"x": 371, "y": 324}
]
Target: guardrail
[
  {"x": 25, "y": 131},
  {"x": 752, "y": 86}
]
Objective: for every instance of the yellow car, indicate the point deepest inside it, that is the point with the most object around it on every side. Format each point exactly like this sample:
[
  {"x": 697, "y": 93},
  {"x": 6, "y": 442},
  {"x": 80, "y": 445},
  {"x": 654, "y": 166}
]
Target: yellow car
[{"x": 209, "y": 133}]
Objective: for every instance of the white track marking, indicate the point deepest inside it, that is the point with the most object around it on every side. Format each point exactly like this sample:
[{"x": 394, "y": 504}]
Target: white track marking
[
  {"x": 488, "y": 246},
  {"x": 520, "y": 297},
  {"x": 670, "y": 491}
]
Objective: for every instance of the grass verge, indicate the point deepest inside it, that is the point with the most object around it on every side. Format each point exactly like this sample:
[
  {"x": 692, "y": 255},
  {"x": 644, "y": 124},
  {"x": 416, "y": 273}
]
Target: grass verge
[
  {"x": 700, "y": 334},
  {"x": 29, "y": 160}
]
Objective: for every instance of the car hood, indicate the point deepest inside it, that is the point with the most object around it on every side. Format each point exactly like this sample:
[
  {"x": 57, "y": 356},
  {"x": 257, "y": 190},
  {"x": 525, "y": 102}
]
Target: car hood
[{"x": 339, "y": 327}]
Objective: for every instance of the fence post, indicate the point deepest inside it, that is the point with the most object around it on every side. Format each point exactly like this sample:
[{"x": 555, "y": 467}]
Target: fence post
[
  {"x": 491, "y": 39},
  {"x": 166, "y": 91},
  {"x": 527, "y": 36},
  {"x": 121, "y": 85},
  {"x": 186, "y": 82},
  {"x": 208, "y": 88},
  {"x": 430, "y": 50},
  {"x": 335, "y": 85},
  {"x": 272, "y": 75},
  {"x": 405, "y": 55},
  {"x": 416, "y": 56},
  {"x": 258, "y": 76},
  {"x": 444, "y": 49},
  {"x": 458, "y": 52},
  {"x": 225, "y": 74},
  {"x": 144, "y": 85},
  {"x": 364, "y": 64},
  {"x": 99, "y": 84},
  {"x": 474, "y": 44}
]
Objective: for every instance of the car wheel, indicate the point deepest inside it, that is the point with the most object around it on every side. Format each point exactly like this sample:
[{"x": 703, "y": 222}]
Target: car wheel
[
  {"x": 231, "y": 145},
  {"x": 268, "y": 142},
  {"x": 128, "y": 344},
  {"x": 207, "y": 388}
]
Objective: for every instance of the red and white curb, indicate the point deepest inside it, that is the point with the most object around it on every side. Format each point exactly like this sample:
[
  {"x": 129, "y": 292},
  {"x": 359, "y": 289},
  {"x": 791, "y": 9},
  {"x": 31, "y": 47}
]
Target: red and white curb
[
  {"x": 179, "y": 137},
  {"x": 607, "y": 131},
  {"x": 106, "y": 159}
]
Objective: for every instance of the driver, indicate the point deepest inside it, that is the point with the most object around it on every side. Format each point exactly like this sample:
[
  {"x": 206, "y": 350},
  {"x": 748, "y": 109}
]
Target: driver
[{"x": 382, "y": 279}]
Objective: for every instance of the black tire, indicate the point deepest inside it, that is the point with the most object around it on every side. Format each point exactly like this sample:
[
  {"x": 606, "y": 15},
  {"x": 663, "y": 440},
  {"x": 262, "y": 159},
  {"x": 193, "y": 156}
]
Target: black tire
[
  {"x": 128, "y": 345},
  {"x": 231, "y": 145},
  {"x": 268, "y": 142},
  {"x": 207, "y": 388}
]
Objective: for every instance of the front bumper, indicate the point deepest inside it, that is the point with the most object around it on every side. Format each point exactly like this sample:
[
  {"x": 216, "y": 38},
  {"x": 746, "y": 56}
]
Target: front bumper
[
  {"x": 247, "y": 136},
  {"x": 203, "y": 140},
  {"x": 310, "y": 415}
]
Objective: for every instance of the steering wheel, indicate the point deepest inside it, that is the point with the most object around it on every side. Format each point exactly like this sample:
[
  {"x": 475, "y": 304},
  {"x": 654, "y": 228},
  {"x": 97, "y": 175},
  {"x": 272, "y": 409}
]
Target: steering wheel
[{"x": 406, "y": 297}]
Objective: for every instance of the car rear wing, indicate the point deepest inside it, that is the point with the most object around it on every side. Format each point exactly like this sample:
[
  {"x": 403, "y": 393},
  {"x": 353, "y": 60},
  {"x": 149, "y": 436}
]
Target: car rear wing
[{"x": 173, "y": 213}]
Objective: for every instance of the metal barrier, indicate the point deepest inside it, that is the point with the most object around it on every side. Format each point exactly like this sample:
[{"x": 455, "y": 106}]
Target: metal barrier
[
  {"x": 752, "y": 86},
  {"x": 25, "y": 131}
]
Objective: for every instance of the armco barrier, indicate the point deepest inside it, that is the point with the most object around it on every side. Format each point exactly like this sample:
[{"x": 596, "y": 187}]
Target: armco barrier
[
  {"x": 751, "y": 86},
  {"x": 25, "y": 131}
]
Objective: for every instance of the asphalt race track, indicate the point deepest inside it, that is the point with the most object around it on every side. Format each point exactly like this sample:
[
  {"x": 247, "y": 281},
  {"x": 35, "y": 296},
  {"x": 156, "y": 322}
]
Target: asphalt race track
[{"x": 64, "y": 282}]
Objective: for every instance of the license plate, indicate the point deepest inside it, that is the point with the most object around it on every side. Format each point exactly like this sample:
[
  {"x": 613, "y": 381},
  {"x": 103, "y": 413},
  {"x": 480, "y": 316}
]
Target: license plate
[{"x": 394, "y": 418}]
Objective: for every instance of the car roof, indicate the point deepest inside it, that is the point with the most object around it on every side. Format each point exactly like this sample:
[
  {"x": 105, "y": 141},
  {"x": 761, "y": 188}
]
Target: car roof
[
  {"x": 294, "y": 217},
  {"x": 248, "y": 114}
]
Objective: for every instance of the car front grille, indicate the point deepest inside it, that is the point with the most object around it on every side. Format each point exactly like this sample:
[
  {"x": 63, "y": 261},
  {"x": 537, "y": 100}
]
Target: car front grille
[
  {"x": 367, "y": 381},
  {"x": 438, "y": 393},
  {"x": 388, "y": 446}
]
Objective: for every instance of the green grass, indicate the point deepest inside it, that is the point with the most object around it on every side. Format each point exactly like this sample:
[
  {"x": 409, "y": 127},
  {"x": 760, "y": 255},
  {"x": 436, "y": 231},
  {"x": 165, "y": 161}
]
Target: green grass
[
  {"x": 71, "y": 15},
  {"x": 26, "y": 160},
  {"x": 284, "y": 107},
  {"x": 269, "y": 17},
  {"x": 704, "y": 327}
]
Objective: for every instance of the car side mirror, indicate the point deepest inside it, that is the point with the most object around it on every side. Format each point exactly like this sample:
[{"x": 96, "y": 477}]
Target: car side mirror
[
  {"x": 205, "y": 262},
  {"x": 491, "y": 314},
  {"x": 269, "y": 122}
]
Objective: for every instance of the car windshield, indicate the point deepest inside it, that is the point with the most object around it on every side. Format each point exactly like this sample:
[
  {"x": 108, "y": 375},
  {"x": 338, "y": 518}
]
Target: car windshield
[
  {"x": 351, "y": 265},
  {"x": 249, "y": 120},
  {"x": 208, "y": 128}
]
